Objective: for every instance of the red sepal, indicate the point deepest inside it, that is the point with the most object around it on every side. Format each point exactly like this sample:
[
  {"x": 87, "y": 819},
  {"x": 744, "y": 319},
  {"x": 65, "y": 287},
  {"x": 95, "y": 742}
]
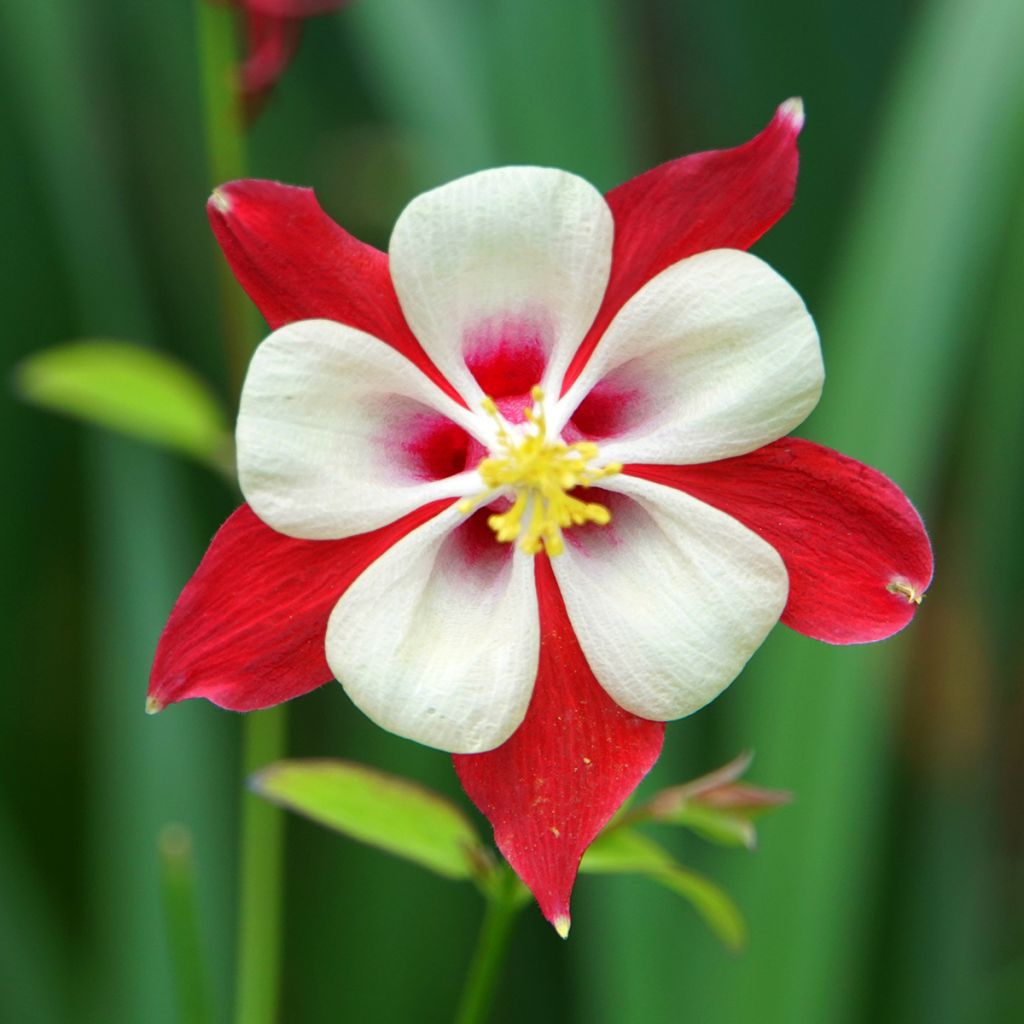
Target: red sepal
[
  {"x": 297, "y": 264},
  {"x": 847, "y": 534},
  {"x": 248, "y": 630},
  {"x": 567, "y": 769},
  {"x": 721, "y": 199}
]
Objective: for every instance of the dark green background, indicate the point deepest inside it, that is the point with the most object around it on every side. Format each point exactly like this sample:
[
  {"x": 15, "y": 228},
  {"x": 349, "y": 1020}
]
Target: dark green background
[{"x": 893, "y": 889}]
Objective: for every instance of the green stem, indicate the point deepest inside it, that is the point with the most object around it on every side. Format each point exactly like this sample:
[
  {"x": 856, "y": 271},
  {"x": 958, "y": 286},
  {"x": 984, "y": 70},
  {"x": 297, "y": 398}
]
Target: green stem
[
  {"x": 178, "y": 885},
  {"x": 224, "y": 127},
  {"x": 257, "y": 981},
  {"x": 504, "y": 901}
]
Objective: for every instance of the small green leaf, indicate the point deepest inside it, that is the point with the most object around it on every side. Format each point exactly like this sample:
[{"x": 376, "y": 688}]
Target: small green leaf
[
  {"x": 712, "y": 902},
  {"x": 380, "y": 810},
  {"x": 130, "y": 389},
  {"x": 717, "y": 806},
  {"x": 623, "y": 851},
  {"x": 717, "y": 826}
]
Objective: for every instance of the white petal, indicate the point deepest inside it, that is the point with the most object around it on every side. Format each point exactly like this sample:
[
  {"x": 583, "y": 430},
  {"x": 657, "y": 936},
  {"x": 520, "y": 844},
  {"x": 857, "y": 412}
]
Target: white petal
[
  {"x": 670, "y": 600},
  {"x": 324, "y": 415},
  {"x": 438, "y": 640},
  {"x": 515, "y": 253},
  {"x": 714, "y": 357}
]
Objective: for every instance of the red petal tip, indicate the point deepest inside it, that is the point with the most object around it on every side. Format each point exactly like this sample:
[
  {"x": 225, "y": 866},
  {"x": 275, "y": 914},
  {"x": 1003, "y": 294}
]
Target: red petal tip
[
  {"x": 556, "y": 782},
  {"x": 219, "y": 201},
  {"x": 154, "y": 706},
  {"x": 793, "y": 111}
]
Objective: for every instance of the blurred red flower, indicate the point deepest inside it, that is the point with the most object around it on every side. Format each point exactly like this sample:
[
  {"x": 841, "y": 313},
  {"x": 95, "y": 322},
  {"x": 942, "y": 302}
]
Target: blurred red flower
[{"x": 272, "y": 30}]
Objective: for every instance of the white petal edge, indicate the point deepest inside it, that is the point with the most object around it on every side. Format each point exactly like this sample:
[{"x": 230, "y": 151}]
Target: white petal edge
[
  {"x": 718, "y": 355},
  {"x": 510, "y": 245},
  {"x": 669, "y": 601},
  {"x": 322, "y": 409},
  {"x": 436, "y": 649}
]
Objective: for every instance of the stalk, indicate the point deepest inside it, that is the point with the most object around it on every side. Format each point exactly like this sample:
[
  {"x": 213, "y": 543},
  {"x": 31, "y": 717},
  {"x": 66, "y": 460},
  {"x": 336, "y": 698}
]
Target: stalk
[{"x": 258, "y": 968}]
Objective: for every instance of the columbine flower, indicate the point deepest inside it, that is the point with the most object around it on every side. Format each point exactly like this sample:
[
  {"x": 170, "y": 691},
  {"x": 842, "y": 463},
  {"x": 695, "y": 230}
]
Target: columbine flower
[
  {"x": 272, "y": 30},
  {"x": 519, "y": 486}
]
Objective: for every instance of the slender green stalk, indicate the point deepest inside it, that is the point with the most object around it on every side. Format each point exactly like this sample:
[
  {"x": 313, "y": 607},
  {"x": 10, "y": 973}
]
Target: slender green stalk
[
  {"x": 504, "y": 901},
  {"x": 178, "y": 885},
  {"x": 224, "y": 125},
  {"x": 257, "y": 980}
]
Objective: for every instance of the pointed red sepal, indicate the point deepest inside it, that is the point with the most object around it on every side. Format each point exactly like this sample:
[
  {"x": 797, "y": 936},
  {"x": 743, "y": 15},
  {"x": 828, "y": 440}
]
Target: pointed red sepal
[
  {"x": 248, "y": 630},
  {"x": 297, "y": 264},
  {"x": 567, "y": 769},
  {"x": 721, "y": 199},
  {"x": 857, "y": 553}
]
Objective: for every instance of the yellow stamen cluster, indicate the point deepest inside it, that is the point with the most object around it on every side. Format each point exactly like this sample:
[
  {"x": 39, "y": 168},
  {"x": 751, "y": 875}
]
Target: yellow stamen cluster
[
  {"x": 905, "y": 590},
  {"x": 541, "y": 473}
]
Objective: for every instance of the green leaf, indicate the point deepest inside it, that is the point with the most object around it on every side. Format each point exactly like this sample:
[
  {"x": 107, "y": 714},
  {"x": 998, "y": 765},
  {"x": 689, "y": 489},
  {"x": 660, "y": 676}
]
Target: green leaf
[
  {"x": 132, "y": 390},
  {"x": 720, "y": 777},
  {"x": 624, "y": 851},
  {"x": 380, "y": 810},
  {"x": 717, "y": 806},
  {"x": 717, "y": 826}
]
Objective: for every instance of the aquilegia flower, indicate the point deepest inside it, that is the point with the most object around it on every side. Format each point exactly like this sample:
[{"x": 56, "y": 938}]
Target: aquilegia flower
[{"x": 519, "y": 484}]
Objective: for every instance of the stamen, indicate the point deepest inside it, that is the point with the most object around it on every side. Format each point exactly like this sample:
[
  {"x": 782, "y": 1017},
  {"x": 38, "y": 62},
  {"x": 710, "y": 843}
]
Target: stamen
[
  {"x": 541, "y": 472},
  {"x": 906, "y": 590}
]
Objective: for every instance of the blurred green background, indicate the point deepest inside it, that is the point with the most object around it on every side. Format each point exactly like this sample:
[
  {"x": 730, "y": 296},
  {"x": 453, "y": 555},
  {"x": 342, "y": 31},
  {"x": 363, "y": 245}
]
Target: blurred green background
[{"x": 893, "y": 889}]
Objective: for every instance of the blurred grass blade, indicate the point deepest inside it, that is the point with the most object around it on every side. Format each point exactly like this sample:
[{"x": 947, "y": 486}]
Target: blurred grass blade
[
  {"x": 181, "y": 913},
  {"x": 381, "y": 810},
  {"x": 922, "y": 242},
  {"x": 428, "y": 62},
  {"x": 33, "y": 960},
  {"x": 133, "y": 390},
  {"x": 561, "y": 90},
  {"x": 965, "y": 781},
  {"x": 139, "y": 541},
  {"x": 624, "y": 851}
]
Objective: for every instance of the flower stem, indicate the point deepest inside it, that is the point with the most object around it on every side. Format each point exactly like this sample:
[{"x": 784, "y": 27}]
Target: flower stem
[
  {"x": 178, "y": 884},
  {"x": 224, "y": 128},
  {"x": 505, "y": 898},
  {"x": 257, "y": 977},
  {"x": 257, "y": 983}
]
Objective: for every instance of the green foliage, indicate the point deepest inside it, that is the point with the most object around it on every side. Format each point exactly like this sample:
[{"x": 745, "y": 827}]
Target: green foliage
[
  {"x": 381, "y": 810},
  {"x": 181, "y": 912},
  {"x": 716, "y": 806},
  {"x": 721, "y": 827},
  {"x": 625, "y": 851},
  {"x": 130, "y": 389},
  {"x": 887, "y": 893}
]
